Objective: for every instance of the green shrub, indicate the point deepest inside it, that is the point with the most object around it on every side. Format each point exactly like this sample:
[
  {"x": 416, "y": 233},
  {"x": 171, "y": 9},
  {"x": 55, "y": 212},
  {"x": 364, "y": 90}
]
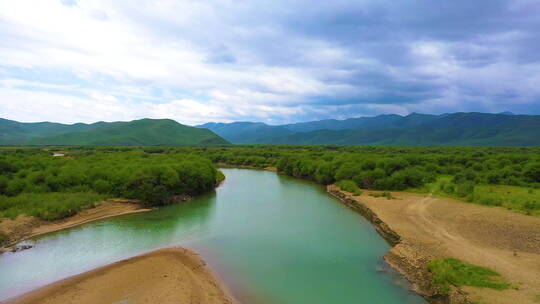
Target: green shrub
[
  {"x": 349, "y": 186},
  {"x": 102, "y": 186},
  {"x": 531, "y": 206},
  {"x": 407, "y": 178},
  {"x": 220, "y": 177},
  {"x": 532, "y": 171},
  {"x": 452, "y": 271},
  {"x": 448, "y": 187},
  {"x": 47, "y": 206},
  {"x": 386, "y": 194},
  {"x": 464, "y": 189}
]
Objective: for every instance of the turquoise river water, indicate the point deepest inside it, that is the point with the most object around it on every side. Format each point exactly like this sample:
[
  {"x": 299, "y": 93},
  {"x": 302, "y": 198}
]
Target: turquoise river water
[{"x": 272, "y": 239}]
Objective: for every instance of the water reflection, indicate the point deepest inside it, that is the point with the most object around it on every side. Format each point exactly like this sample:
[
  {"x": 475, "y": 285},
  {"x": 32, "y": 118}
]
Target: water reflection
[
  {"x": 272, "y": 238},
  {"x": 99, "y": 243}
]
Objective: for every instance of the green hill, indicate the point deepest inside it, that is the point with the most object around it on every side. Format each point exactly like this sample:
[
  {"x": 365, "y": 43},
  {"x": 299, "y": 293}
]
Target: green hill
[
  {"x": 475, "y": 129},
  {"x": 481, "y": 129},
  {"x": 385, "y": 121},
  {"x": 13, "y": 131},
  {"x": 245, "y": 132},
  {"x": 144, "y": 132}
]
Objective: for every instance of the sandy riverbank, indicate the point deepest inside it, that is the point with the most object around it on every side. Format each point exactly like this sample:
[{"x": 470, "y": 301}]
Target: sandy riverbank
[
  {"x": 174, "y": 275},
  {"x": 424, "y": 228},
  {"x": 25, "y": 227}
]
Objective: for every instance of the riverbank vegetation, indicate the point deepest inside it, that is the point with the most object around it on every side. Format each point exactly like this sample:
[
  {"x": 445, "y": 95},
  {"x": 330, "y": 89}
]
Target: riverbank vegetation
[
  {"x": 34, "y": 182},
  {"x": 349, "y": 186},
  {"x": 48, "y": 206},
  {"x": 450, "y": 271},
  {"x": 386, "y": 194},
  {"x": 517, "y": 198},
  {"x": 507, "y": 177}
]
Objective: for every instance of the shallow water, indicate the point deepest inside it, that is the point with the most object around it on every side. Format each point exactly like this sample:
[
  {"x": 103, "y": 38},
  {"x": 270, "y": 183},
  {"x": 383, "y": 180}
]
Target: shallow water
[{"x": 271, "y": 238}]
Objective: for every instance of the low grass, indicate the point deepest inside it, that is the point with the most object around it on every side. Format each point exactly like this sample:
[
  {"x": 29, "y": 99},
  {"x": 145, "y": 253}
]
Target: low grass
[
  {"x": 349, "y": 186},
  {"x": 510, "y": 197},
  {"x": 47, "y": 206},
  {"x": 522, "y": 199},
  {"x": 450, "y": 271},
  {"x": 434, "y": 187},
  {"x": 386, "y": 194}
]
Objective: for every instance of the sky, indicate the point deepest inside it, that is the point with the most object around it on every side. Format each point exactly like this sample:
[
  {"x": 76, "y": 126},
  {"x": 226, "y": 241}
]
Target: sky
[{"x": 276, "y": 61}]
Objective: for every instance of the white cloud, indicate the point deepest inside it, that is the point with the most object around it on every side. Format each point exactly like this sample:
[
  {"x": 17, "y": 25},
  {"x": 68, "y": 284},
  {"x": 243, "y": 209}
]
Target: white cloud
[
  {"x": 72, "y": 38},
  {"x": 22, "y": 105},
  {"x": 220, "y": 60}
]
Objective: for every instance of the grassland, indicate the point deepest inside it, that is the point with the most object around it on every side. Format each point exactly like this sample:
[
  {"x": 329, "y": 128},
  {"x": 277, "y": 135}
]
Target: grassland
[
  {"x": 515, "y": 198},
  {"x": 452, "y": 271},
  {"x": 511, "y": 197},
  {"x": 144, "y": 132}
]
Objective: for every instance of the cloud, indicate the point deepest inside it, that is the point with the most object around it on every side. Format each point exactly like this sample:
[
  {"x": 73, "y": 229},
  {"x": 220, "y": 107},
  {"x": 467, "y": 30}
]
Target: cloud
[{"x": 274, "y": 61}]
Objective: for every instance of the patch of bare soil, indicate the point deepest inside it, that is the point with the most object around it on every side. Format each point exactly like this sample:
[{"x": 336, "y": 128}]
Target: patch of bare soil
[
  {"x": 25, "y": 227},
  {"x": 174, "y": 275},
  {"x": 430, "y": 228}
]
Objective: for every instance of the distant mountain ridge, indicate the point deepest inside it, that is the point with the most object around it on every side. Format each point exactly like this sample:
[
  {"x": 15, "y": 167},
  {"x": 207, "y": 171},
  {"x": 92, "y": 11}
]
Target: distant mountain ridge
[
  {"x": 502, "y": 129},
  {"x": 480, "y": 129},
  {"x": 245, "y": 132},
  {"x": 143, "y": 132}
]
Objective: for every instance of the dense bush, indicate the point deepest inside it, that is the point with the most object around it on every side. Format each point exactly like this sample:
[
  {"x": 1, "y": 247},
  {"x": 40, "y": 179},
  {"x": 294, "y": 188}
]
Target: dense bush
[
  {"x": 532, "y": 171},
  {"x": 393, "y": 168},
  {"x": 154, "y": 174},
  {"x": 47, "y": 206},
  {"x": 34, "y": 182},
  {"x": 460, "y": 172},
  {"x": 349, "y": 186}
]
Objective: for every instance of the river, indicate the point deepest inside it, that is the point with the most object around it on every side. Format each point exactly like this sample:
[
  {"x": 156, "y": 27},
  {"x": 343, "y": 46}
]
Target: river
[{"x": 272, "y": 239}]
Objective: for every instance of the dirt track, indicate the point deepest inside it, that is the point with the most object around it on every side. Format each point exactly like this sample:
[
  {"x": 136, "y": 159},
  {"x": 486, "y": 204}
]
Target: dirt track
[
  {"x": 432, "y": 227},
  {"x": 165, "y": 276}
]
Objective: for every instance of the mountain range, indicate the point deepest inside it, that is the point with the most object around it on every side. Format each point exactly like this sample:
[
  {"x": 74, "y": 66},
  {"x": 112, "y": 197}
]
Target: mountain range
[
  {"x": 143, "y": 132},
  {"x": 479, "y": 129}
]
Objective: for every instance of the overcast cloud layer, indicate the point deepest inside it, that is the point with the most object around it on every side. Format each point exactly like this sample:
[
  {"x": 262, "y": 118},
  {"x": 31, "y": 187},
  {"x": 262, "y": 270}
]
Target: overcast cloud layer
[{"x": 271, "y": 61}]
